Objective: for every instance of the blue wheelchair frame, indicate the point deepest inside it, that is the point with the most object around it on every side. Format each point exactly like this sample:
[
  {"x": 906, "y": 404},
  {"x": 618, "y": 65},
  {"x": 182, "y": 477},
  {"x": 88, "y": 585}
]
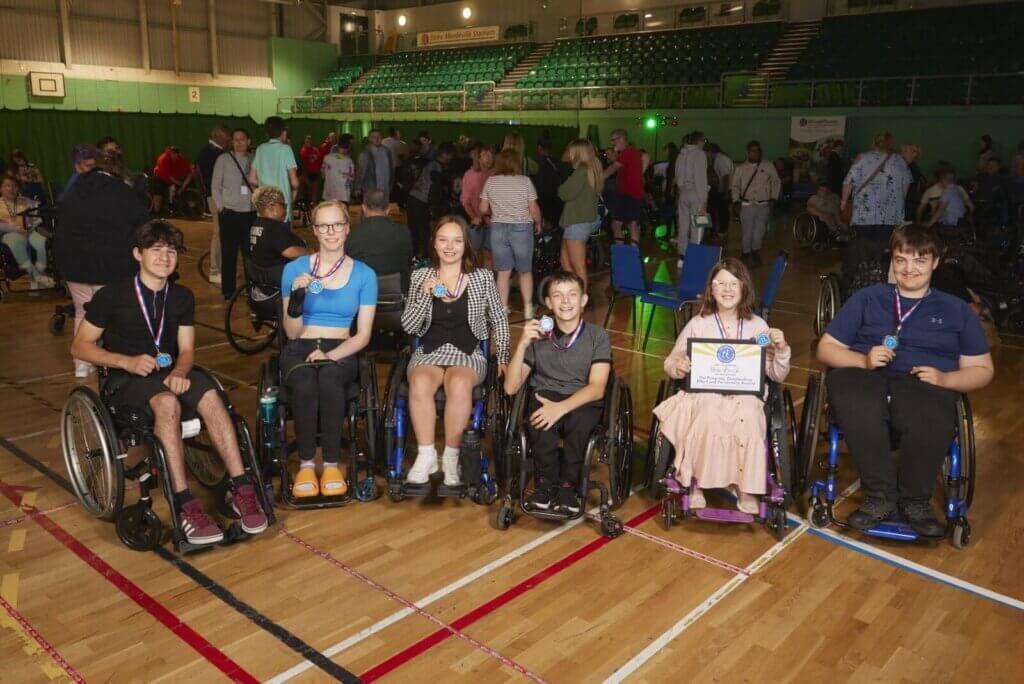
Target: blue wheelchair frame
[
  {"x": 483, "y": 489},
  {"x": 958, "y": 479}
]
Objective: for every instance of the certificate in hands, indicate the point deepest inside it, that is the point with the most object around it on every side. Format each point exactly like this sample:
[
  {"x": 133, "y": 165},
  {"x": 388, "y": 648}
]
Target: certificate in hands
[{"x": 725, "y": 366}]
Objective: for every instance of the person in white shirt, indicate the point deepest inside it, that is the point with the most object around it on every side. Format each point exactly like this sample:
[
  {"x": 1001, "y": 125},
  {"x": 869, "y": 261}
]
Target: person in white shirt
[
  {"x": 692, "y": 181},
  {"x": 339, "y": 171},
  {"x": 755, "y": 186}
]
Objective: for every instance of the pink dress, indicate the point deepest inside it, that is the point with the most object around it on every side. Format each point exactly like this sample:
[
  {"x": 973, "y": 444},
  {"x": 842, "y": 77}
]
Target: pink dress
[{"x": 721, "y": 437}]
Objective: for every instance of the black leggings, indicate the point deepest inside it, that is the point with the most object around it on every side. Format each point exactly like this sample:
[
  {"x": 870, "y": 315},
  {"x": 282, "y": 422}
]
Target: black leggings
[
  {"x": 234, "y": 236},
  {"x": 923, "y": 415},
  {"x": 418, "y": 214},
  {"x": 575, "y": 427},
  {"x": 317, "y": 390}
]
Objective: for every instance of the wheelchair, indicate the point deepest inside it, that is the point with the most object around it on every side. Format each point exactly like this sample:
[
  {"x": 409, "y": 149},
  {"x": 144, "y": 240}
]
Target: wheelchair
[
  {"x": 830, "y": 289},
  {"x": 957, "y": 475},
  {"x": 95, "y": 439},
  {"x": 611, "y": 444},
  {"x": 251, "y": 317},
  {"x": 487, "y": 417},
  {"x": 782, "y": 476},
  {"x": 812, "y": 233},
  {"x": 43, "y": 220},
  {"x": 361, "y": 439}
]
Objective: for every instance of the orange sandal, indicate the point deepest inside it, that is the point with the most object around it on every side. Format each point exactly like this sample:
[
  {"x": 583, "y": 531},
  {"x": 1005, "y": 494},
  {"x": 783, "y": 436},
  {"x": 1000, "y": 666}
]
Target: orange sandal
[
  {"x": 332, "y": 482},
  {"x": 305, "y": 484}
]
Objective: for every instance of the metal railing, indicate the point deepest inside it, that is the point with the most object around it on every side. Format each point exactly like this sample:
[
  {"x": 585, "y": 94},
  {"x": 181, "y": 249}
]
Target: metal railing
[
  {"x": 664, "y": 17},
  {"x": 945, "y": 89}
]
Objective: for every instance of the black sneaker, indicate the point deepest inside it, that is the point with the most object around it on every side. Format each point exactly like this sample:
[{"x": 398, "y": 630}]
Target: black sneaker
[
  {"x": 543, "y": 496},
  {"x": 922, "y": 518},
  {"x": 872, "y": 511},
  {"x": 568, "y": 499}
]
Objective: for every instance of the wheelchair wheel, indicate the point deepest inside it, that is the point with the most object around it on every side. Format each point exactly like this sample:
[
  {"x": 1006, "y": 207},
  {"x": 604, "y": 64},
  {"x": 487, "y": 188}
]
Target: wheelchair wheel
[
  {"x": 57, "y": 322},
  {"x": 191, "y": 204},
  {"x": 597, "y": 257},
  {"x": 807, "y": 440},
  {"x": 511, "y": 463},
  {"x": 204, "y": 266},
  {"x": 780, "y": 441},
  {"x": 805, "y": 230},
  {"x": 506, "y": 514},
  {"x": 619, "y": 445},
  {"x": 964, "y": 490},
  {"x": 370, "y": 409},
  {"x": 203, "y": 462},
  {"x": 652, "y": 439},
  {"x": 246, "y": 330},
  {"x": 828, "y": 303},
  {"x": 90, "y": 447},
  {"x": 139, "y": 527},
  {"x": 389, "y": 405}
]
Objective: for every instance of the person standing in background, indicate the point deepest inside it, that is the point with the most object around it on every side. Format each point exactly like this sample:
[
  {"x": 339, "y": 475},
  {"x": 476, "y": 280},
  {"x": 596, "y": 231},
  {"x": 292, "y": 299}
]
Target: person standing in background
[
  {"x": 472, "y": 183},
  {"x": 83, "y": 159},
  {"x": 312, "y": 157},
  {"x": 395, "y": 145},
  {"x": 232, "y": 197},
  {"x": 374, "y": 170},
  {"x": 627, "y": 206},
  {"x": 339, "y": 171},
  {"x": 723, "y": 168},
  {"x": 275, "y": 164},
  {"x": 985, "y": 151},
  {"x": 692, "y": 181},
  {"x": 219, "y": 140},
  {"x": 755, "y": 186}
]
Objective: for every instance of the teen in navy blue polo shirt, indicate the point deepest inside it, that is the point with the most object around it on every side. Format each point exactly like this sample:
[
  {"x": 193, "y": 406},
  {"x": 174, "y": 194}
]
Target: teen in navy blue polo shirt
[{"x": 921, "y": 348}]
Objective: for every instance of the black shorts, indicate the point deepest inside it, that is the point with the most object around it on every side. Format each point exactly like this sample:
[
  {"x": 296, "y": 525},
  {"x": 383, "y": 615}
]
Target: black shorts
[
  {"x": 626, "y": 209},
  {"x": 313, "y": 177},
  {"x": 159, "y": 188},
  {"x": 124, "y": 389}
]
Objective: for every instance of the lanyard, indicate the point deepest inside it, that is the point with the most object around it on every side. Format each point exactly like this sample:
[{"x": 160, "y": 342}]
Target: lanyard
[
  {"x": 721, "y": 328},
  {"x": 901, "y": 317},
  {"x": 145, "y": 312},
  {"x": 572, "y": 340},
  {"x": 334, "y": 268},
  {"x": 446, "y": 292},
  {"x": 12, "y": 209}
]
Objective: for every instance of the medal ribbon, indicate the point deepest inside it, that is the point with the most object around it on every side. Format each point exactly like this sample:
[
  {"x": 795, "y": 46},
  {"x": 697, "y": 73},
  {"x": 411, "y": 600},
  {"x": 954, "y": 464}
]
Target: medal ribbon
[
  {"x": 900, "y": 316},
  {"x": 334, "y": 268},
  {"x": 145, "y": 312},
  {"x": 572, "y": 340},
  {"x": 458, "y": 286},
  {"x": 721, "y": 328}
]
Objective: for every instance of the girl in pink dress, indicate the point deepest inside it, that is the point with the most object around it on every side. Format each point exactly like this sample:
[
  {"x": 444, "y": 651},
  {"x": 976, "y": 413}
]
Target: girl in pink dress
[{"x": 719, "y": 439}]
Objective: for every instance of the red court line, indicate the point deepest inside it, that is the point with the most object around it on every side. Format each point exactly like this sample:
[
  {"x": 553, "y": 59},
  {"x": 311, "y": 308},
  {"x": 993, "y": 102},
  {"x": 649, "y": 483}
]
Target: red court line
[
  {"x": 469, "y": 618},
  {"x": 204, "y": 648},
  {"x": 34, "y": 633}
]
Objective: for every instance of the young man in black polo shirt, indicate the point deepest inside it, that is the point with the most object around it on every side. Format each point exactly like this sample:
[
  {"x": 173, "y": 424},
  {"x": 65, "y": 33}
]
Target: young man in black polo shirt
[
  {"x": 146, "y": 324},
  {"x": 568, "y": 368}
]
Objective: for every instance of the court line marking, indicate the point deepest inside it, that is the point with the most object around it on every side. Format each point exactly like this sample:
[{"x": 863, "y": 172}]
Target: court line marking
[
  {"x": 200, "y": 579},
  {"x": 500, "y": 657},
  {"x": 916, "y": 568},
  {"x": 662, "y": 640},
  {"x": 157, "y": 610},
  {"x": 428, "y": 642},
  {"x": 22, "y": 518},
  {"x": 25, "y": 625}
]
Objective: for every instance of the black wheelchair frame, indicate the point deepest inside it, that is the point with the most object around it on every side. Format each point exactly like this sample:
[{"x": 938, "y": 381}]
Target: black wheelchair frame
[
  {"x": 117, "y": 429},
  {"x": 610, "y": 443}
]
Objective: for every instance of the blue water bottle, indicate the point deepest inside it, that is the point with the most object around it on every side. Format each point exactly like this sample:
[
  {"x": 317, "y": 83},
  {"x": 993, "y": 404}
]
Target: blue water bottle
[{"x": 268, "y": 405}]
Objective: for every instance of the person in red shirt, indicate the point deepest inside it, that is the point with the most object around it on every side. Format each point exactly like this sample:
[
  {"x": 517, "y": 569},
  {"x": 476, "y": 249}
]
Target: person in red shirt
[
  {"x": 172, "y": 174},
  {"x": 312, "y": 160},
  {"x": 627, "y": 201}
]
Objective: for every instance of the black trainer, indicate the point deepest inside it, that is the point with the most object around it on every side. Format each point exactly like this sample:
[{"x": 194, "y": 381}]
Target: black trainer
[
  {"x": 543, "y": 496},
  {"x": 922, "y": 518},
  {"x": 872, "y": 511},
  {"x": 568, "y": 498}
]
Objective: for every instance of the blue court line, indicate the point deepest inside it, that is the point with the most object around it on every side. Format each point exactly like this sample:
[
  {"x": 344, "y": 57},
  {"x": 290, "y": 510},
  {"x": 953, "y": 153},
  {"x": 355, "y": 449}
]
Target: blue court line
[{"x": 917, "y": 569}]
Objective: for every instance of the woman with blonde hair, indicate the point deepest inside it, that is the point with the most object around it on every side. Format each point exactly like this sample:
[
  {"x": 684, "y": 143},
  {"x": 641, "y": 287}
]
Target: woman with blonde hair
[{"x": 579, "y": 214}]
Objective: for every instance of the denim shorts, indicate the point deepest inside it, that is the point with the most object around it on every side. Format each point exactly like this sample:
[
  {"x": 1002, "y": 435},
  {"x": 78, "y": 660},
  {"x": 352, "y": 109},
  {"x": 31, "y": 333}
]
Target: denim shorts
[
  {"x": 479, "y": 237},
  {"x": 512, "y": 246},
  {"x": 580, "y": 231}
]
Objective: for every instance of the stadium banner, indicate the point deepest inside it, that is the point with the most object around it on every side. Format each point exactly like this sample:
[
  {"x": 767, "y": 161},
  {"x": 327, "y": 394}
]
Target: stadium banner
[
  {"x": 479, "y": 34},
  {"x": 810, "y": 140}
]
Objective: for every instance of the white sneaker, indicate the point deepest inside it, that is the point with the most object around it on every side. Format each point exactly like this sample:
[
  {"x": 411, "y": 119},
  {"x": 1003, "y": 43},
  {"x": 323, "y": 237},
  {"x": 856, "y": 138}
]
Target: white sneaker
[
  {"x": 450, "y": 465},
  {"x": 423, "y": 468},
  {"x": 697, "y": 499},
  {"x": 215, "y": 279}
]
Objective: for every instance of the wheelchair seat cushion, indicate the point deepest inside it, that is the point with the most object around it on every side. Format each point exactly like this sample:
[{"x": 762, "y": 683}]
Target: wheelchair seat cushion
[{"x": 128, "y": 395}]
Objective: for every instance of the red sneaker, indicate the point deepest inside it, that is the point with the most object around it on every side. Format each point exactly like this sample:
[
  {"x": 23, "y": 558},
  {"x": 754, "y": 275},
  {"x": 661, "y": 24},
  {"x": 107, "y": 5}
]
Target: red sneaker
[
  {"x": 247, "y": 506},
  {"x": 198, "y": 527}
]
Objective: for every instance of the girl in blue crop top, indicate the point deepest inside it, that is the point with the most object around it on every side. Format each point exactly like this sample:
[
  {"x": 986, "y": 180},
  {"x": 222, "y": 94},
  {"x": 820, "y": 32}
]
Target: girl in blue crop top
[{"x": 319, "y": 358}]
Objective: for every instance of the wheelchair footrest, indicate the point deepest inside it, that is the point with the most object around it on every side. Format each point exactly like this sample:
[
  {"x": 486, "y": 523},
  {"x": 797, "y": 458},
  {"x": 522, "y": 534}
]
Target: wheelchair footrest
[
  {"x": 415, "y": 489},
  {"x": 725, "y": 515},
  {"x": 459, "y": 491},
  {"x": 898, "y": 530},
  {"x": 315, "y": 502}
]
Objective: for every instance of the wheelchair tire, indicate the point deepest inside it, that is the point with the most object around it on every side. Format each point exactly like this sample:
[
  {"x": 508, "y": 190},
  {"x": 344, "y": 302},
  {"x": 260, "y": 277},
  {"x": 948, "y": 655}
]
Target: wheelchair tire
[
  {"x": 782, "y": 461},
  {"x": 597, "y": 255},
  {"x": 504, "y": 518},
  {"x": 805, "y": 230},
  {"x": 93, "y": 464},
  {"x": 652, "y": 439},
  {"x": 246, "y": 330},
  {"x": 57, "y": 324},
  {"x": 965, "y": 437},
  {"x": 828, "y": 303},
  {"x": 668, "y": 512},
  {"x": 204, "y": 266},
  {"x": 511, "y": 463},
  {"x": 191, "y": 204},
  {"x": 369, "y": 407},
  {"x": 619, "y": 444},
  {"x": 807, "y": 440},
  {"x": 203, "y": 462},
  {"x": 961, "y": 534},
  {"x": 777, "y": 522},
  {"x": 611, "y": 526},
  {"x": 139, "y": 527},
  {"x": 389, "y": 404}
]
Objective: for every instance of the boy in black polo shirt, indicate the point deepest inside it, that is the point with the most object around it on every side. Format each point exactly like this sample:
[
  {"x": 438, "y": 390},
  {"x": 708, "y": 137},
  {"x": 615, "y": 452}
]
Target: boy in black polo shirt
[
  {"x": 146, "y": 324},
  {"x": 570, "y": 366}
]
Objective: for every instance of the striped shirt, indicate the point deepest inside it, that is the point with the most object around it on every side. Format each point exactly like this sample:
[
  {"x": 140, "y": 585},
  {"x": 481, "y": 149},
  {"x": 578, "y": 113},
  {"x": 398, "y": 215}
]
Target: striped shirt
[{"x": 509, "y": 198}]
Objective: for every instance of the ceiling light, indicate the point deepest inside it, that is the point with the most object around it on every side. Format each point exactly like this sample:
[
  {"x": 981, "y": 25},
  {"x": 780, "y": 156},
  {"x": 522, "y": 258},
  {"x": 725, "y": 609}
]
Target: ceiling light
[
  {"x": 467, "y": 13},
  {"x": 402, "y": 20}
]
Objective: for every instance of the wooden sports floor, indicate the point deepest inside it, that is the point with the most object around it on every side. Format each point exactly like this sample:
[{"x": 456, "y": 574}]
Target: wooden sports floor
[{"x": 431, "y": 591}]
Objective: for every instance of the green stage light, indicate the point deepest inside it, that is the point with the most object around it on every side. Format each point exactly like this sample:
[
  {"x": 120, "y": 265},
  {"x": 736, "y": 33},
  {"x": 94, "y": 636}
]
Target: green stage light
[{"x": 650, "y": 123}]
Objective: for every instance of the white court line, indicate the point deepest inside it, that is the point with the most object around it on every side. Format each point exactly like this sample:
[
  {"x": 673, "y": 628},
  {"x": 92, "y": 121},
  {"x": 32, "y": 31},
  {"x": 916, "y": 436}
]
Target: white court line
[
  {"x": 429, "y": 599},
  {"x": 656, "y": 646},
  {"x": 34, "y": 434}
]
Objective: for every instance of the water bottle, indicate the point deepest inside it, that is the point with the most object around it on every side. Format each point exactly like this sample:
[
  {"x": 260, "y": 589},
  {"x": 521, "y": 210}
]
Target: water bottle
[{"x": 268, "y": 405}]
